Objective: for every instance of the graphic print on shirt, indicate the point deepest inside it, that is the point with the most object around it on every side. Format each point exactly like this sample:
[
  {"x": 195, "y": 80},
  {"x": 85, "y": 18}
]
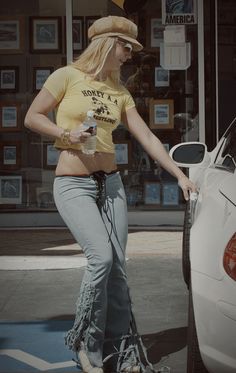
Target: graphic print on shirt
[
  {"x": 100, "y": 105},
  {"x": 101, "y": 108}
]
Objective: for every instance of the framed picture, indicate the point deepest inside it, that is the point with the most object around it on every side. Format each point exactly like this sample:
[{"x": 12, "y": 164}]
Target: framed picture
[
  {"x": 78, "y": 33},
  {"x": 45, "y": 34},
  {"x": 50, "y": 156},
  {"x": 170, "y": 193},
  {"x": 10, "y": 155},
  {"x": 156, "y": 32},
  {"x": 11, "y": 189},
  {"x": 179, "y": 12},
  {"x": 12, "y": 31},
  {"x": 40, "y": 76},
  {"x": 88, "y": 22},
  {"x": 162, "y": 77},
  {"x": 152, "y": 193},
  {"x": 161, "y": 114},
  {"x": 123, "y": 153},
  {"x": 9, "y": 79},
  {"x": 9, "y": 117},
  {"x": 44, "y": 197}
]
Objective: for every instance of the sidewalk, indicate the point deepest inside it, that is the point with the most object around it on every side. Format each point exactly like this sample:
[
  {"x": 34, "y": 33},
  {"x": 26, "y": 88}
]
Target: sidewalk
[
  {"x": 40, "y": 278},
  {"x": 57, "y": 249}
]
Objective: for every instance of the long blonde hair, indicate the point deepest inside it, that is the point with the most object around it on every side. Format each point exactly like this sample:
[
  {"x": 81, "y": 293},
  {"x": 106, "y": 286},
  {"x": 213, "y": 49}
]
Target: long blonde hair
[{"x": 93, "y": 59}]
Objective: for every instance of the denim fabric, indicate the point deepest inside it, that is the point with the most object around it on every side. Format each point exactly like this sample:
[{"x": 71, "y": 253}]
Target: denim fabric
[{"x": 103, "y": 308}]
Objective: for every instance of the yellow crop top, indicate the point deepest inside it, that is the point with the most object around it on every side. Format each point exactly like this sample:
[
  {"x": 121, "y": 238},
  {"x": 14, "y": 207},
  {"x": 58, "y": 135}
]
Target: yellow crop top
[{"x": 76, "y": 93}]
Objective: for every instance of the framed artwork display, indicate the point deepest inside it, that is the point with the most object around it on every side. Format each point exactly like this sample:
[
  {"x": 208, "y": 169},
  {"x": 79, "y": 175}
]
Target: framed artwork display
[
  {"x": 50, "y": 156},
  {"x": 162, "y": 77},
  {"x": 9, "y": 117},
  {"x": 123, "y": 153},
  {"x": 40, "y": 75},
  {"x": 10, "y": 155},
  {"x": 152, "y": 193},
  {"x": 88, "y": 22},
  {"x": 161, "y": 114},
  {"x": 156, "y": 33},
  {"x": 78, "y": 33},
  {"x": 11, "y": 189},
  {"x": 9, "y": 79},
  {"x": 44, "y": 197},
  {"x": 12, "y": 34},
  {"x": 45, "y": 34},
  {"x": 170, "y": 192}
]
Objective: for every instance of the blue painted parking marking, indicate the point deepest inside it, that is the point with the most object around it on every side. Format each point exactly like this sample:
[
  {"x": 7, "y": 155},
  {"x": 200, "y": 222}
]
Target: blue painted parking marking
[{"x": 36, "y": 346}]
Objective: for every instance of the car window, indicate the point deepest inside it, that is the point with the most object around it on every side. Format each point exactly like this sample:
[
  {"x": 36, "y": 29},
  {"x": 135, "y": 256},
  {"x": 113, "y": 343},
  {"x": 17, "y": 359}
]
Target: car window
[{"x": 227, "y": 157}]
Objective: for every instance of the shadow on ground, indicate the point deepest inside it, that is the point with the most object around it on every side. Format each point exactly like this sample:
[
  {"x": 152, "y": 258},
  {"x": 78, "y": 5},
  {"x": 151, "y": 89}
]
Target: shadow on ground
[
  {"x": 158, "y": 345},
  {"x": 39, "y": 242},
  {"x": 164, "y": 343}
]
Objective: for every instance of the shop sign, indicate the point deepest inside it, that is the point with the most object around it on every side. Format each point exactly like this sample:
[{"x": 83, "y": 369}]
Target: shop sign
[{"x": 179, "y": 12}]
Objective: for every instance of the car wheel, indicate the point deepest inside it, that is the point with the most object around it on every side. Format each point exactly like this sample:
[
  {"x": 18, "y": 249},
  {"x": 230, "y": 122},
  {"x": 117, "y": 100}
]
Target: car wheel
[
  {"x": 185, "y": 245},
  {"x": 194, "y": 360}
]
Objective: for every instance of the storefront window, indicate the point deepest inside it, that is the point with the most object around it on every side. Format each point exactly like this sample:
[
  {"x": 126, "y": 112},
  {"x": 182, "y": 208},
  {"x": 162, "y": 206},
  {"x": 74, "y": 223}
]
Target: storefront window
[
  {"x": 168, "y": 102},
  {"x": 34, "y": 45}
]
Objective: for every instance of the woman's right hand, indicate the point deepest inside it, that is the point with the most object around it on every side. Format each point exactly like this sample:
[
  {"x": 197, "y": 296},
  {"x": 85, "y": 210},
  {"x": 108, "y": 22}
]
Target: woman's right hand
[{"x": 79, "y": 135}]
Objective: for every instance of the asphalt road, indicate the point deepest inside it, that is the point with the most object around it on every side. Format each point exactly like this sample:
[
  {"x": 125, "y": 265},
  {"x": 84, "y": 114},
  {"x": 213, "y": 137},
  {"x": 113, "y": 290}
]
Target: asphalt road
[{"x": 158, "y": 292}]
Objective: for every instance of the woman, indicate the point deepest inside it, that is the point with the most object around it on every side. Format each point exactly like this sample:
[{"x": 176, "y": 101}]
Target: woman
[{"x": 88, "y": 191}]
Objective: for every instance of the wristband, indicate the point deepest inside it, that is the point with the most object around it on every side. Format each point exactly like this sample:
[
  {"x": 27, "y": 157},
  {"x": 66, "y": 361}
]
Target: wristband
[{"x": 65, "y": 137}]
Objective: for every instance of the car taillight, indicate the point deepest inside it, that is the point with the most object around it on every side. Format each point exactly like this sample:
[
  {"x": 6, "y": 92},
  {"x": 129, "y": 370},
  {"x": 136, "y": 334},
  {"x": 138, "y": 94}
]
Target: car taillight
[{"x": 229, "y": 260}]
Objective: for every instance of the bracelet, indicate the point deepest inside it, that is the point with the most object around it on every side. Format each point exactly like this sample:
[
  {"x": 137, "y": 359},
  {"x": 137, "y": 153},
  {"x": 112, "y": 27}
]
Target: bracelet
[{"x": 65, "y": 137}]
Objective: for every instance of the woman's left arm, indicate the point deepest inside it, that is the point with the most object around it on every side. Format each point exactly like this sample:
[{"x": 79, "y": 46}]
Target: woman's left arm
[{"x": 153, "y": 146}]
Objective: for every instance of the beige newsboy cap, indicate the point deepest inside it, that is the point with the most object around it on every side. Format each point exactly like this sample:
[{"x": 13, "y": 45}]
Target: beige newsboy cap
[{"x": 115, "y": 26}]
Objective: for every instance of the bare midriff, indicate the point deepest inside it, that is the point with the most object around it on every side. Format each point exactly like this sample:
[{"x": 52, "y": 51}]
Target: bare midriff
[{"x": 74, "y": 163}]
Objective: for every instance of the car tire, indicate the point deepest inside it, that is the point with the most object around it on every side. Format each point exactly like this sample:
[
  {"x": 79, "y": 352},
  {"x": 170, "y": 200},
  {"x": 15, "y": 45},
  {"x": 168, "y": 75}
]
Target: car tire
[
  {"x": 185, "y": 245},
  {"x": 194, "y": 360}
]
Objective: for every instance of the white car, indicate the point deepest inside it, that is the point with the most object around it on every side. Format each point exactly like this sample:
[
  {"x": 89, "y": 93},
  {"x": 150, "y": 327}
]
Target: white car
[{"x": 209, "y": 253}]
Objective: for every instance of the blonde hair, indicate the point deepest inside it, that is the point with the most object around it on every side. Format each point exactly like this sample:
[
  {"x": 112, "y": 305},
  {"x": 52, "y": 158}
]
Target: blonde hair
[{"x": 93, "y": 59}]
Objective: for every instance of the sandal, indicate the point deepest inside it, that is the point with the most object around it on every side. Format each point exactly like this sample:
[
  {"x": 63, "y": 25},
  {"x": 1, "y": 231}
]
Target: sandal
[
  {"x": 85, "y": 364},
  {"x": 132, "y": 369}
]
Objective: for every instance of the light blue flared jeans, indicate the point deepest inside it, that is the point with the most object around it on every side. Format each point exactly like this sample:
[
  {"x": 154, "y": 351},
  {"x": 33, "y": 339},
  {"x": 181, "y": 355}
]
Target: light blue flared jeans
[{"x": 100, "y": 227}]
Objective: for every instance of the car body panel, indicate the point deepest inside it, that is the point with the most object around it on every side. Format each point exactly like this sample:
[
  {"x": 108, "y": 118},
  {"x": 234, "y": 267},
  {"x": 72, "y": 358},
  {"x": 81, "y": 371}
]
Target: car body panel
[
  {"x": 228, "y": 189},
  {"x": 213, "y": 291},
  {"x": 213, "y": 218},
  {"x": 207, "y": 248},
  {"x": 216, "y": 331}
]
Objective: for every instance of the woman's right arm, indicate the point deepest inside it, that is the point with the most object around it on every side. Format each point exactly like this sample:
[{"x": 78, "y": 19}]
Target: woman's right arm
[{"x": 36, "y": 118}]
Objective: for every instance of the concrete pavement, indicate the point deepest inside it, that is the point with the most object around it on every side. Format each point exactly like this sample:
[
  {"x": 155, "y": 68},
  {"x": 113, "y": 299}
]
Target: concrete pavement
[{"x": 40, "y": 275}]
